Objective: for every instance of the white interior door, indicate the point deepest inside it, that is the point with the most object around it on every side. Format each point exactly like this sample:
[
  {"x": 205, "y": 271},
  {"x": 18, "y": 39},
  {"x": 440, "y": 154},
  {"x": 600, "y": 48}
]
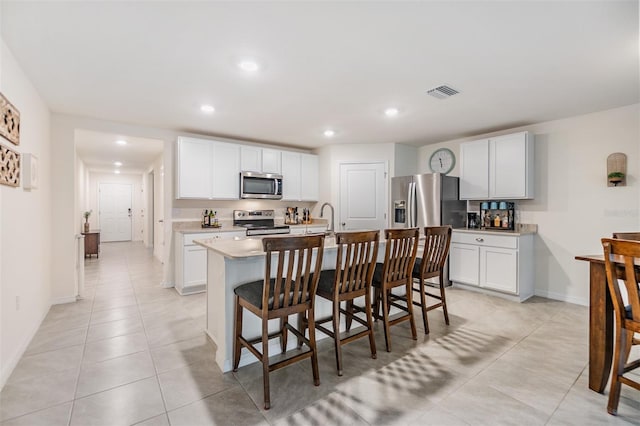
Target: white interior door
[
  {"x": 363, "y": 195},
  {"x": 115, "y": 212}
]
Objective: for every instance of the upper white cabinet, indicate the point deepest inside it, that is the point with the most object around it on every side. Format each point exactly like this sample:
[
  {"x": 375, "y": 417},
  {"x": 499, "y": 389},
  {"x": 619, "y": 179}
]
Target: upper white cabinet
[
  {"x": 271, "y": 161},
  {"x": 207, "y": 169},
  {"x": 309, "y": 187},
  {"x": 497, "y": 168},
  {"x": 226, "y": 171},
  {"x": 299, "y": 177},
  {"x": 250, "y": 159},
  {"x": 263, "y": 160}
]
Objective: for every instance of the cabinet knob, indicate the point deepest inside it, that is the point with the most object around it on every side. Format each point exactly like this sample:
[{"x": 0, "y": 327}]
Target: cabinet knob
[{"x": 479, "y": 240}]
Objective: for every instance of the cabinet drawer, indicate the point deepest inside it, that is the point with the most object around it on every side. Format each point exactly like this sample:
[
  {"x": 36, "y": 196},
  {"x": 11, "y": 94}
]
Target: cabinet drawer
[
  {"x": 504, "y": 241},
  {"x": 188, "y": 238}
]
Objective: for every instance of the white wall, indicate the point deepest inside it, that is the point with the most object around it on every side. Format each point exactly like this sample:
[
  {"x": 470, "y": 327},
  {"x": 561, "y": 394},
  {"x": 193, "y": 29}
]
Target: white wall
[
  {"x": 573, "y": 206},
  {"x": 133, "y": 179},
  {"x": 25, "y": 224}
]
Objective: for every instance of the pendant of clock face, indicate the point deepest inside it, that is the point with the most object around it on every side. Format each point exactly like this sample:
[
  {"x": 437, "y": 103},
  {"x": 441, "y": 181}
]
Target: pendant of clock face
[{"x": 442, "y": 161}]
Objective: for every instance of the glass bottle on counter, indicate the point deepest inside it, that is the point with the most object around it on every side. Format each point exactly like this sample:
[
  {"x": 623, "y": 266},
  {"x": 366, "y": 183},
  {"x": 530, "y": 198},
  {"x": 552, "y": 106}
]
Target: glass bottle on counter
[
  {"x": 496, "y": 221},
  {"x": 505, "y": 221},
  {"x": 205, "y": 219}
]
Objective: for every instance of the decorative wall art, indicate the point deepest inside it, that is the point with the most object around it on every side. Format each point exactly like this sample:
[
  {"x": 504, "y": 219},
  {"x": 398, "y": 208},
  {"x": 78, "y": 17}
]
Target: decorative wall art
[
  {"x": 29, "y": 171},
  {"x": 9, "y": 121},
  {"x": 9, "y": 167}
]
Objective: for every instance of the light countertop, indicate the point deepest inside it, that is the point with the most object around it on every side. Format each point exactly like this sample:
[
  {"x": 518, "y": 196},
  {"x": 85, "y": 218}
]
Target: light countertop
[
  {"x": 246, "y": 247},
  {"x": 195, "y": 227},
  {"x": 521, "y": 229}
]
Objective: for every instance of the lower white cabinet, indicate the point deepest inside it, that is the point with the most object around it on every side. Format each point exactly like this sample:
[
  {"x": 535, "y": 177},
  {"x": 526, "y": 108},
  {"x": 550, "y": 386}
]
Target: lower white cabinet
[
  {"x": 493, "y": 262},
  {"x": 310, "y": 229},
  {"x": 191, "y": 260}
]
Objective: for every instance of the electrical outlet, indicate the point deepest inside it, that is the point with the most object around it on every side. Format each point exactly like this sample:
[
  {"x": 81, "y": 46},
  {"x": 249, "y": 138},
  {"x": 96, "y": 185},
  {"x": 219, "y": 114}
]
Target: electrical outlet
[{"x": 17, "y": 303}]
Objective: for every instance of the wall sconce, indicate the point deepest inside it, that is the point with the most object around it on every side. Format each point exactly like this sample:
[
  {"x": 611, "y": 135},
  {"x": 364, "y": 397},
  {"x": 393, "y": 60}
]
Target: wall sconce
[{"x": 617, "y": 169}]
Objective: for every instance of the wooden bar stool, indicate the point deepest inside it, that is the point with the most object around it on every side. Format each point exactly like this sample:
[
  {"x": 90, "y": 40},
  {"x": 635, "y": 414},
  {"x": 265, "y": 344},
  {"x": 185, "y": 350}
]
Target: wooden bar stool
[
  {"x": 431, "y": 265},
  {"x": 399, "y": 258},
  {"x": 288, "y": 288},
  {"x": 627, "y": 318},
  {"x": 634, "y": 236},
  {"x": 355, "y": 263}
]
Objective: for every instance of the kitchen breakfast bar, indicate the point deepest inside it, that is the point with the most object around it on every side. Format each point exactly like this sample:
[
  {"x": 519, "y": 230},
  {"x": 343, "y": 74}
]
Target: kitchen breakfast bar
[{"x": 231, "y": 263}]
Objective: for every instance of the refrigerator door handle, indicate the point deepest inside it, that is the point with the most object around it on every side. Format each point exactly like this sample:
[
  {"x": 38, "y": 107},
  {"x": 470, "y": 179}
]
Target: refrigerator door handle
[{"x": 411, "y": 205}]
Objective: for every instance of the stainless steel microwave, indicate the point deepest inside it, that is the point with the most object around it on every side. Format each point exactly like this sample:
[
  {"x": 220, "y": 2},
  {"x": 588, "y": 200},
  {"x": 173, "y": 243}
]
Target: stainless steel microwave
[{"x": 260, "y": 185}]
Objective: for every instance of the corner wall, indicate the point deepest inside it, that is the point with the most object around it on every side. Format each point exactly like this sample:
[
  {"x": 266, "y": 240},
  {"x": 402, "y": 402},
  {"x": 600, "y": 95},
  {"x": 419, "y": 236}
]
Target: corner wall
[
  {"x": 25, "y": 223},
  {"x": 573, "y": 206}
]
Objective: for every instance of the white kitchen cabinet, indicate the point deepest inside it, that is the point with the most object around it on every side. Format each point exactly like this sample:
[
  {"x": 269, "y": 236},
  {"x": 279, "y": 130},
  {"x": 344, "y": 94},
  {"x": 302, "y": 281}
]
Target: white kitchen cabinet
[
  {"x": 310, "y": 229},
  {"x": 496, "y": 263},
  {"x": 262, "y": 160},
  {"x": 226, "y": 171},
  {"x": 250, "y": 159},
  {"x": 497, "y": 168},
  {"x": 191, "y": 259},
  {"x": 271, "y": 161},
  {"x": 299, "y": 177},
  {"x": 194, "y": 168},
  {"x": 309, "y": 185},
  {"x": 207, "y": 169}
]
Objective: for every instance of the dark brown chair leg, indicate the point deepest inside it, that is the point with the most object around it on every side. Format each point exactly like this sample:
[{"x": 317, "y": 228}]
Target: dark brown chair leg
[
  {"x": 336, "y": 336},
  {"x": 349, "y": 317},
  {"x": 372, "y": 341},
  {"x": 284, "y": 334},
  {"x": 619, "y": 360},
  {"x": 412, "y": 319},
  {"x": 385, "y": 319},
  {"x": 302, "y": 327},
  {"x": 314, "y": 350},
  {"x": 237, "y": 347},
  {"x": 423, "y": 306},
  {"x": 265, "y": 363},
  {"x": 444, "y": 300}
]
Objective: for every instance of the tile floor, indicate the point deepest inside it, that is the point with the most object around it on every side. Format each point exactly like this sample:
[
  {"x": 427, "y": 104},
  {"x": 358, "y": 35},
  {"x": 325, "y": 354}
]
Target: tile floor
[{"x": 134, "y": 353}]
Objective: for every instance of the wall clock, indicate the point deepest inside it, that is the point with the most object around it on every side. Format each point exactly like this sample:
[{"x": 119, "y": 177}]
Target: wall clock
[{"x": 442, "y": 161}]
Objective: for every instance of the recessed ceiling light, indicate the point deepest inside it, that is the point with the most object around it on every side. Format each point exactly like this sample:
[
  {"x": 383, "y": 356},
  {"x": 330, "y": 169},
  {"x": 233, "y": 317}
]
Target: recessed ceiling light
[
  {"x": 207, "y": 108},
  {"x": 117, "y": 163},
  {"x": 248, "y": 65},
  {"x": 391, "y": 112},
  {"x": 121, "y": 142},
  {"x": 329, "y": 133},
  {"x": 116, "y": 172}
]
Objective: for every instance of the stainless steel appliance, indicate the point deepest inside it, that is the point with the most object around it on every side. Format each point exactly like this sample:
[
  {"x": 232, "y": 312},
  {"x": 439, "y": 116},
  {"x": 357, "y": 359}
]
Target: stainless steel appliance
[
  {"x": 258, "y": 222},
  {"x": 260, "y": 185},
  {"x": 426, "y": 200}
]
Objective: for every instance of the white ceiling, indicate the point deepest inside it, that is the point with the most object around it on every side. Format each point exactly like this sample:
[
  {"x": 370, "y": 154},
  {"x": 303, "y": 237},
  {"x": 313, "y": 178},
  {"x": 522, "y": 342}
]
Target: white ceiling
[
  {"x": 99, "y": 151},
  {"x": 328, "y": 64}
]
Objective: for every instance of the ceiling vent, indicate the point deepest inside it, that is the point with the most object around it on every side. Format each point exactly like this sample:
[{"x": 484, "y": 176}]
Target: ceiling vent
[{"x": 442, "y": 92}]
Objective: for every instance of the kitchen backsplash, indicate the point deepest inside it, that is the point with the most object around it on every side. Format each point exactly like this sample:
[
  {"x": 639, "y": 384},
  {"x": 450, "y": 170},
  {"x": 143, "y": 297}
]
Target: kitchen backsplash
[{"x": 225, "y": 209}]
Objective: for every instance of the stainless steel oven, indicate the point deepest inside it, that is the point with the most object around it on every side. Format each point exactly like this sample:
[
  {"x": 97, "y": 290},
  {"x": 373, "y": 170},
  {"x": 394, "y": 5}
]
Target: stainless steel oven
[{"x": 260, "y": 185}]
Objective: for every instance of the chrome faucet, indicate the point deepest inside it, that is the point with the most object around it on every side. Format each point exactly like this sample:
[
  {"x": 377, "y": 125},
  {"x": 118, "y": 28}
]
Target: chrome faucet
[{"x": 331, "y": 228}]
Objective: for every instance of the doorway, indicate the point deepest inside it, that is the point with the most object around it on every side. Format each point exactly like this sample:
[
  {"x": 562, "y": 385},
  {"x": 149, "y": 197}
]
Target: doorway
[
  {"x": 363, "y": 195},
  {"x": 115, "y": 208}
]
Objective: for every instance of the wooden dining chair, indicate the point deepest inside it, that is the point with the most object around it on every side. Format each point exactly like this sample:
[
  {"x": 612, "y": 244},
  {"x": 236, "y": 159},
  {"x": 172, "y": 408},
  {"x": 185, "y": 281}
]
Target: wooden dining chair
[
  {"x": 431, "y": 265},
  {"x": 627, "y": 318},
  {"x": 635, "y": 236},
  {"x": 289, "y": 287},
  {"x": 396, "y": 271},
  {"x": 351, "y": 278}
]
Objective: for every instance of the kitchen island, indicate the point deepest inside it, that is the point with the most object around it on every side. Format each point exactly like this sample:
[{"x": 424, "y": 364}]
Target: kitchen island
[{"x": 231, "y": 263}]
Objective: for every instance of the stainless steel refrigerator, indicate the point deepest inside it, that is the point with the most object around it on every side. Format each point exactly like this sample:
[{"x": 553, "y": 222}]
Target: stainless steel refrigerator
[{"x": 426, "y": 200}]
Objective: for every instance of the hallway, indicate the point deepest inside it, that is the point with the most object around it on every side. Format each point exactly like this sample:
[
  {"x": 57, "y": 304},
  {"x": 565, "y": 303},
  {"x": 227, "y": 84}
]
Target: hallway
[{"x": 134, "y": 353}]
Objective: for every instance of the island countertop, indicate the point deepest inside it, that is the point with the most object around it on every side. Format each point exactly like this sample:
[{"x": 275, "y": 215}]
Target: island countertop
[{"x": 245, "y": 247}]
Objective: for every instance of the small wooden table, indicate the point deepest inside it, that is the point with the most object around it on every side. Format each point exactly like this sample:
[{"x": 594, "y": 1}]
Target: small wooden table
[
  {"x": 600, "y": 320},
  {"x": 92, "y": 243}
]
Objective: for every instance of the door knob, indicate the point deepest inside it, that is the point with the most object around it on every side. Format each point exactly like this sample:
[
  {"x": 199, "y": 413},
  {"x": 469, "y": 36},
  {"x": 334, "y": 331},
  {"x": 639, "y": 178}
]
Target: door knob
[{"x": 343, "y": 224}]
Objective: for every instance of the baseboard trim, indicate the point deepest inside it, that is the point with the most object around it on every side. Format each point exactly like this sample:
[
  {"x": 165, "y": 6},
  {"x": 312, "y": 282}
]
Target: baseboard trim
[
  {"x": 63, "y": 300},
  {"x": 562, "y": 297},
  {"x": 11, "y": 364}
]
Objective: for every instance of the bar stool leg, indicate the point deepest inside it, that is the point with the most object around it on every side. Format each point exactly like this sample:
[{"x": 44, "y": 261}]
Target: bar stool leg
[
  {"x": 265, "y": 363},
  {"x": 237, "y": 347}
]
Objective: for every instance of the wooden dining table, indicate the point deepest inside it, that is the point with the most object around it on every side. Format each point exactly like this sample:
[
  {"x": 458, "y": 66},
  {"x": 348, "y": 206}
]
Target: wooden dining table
[{"x": 601, "y": 330}]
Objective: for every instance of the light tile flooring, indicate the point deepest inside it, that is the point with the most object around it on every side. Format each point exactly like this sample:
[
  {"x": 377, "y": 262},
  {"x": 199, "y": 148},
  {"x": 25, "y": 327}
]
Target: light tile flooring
[{"x": 134, "y": 353}]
